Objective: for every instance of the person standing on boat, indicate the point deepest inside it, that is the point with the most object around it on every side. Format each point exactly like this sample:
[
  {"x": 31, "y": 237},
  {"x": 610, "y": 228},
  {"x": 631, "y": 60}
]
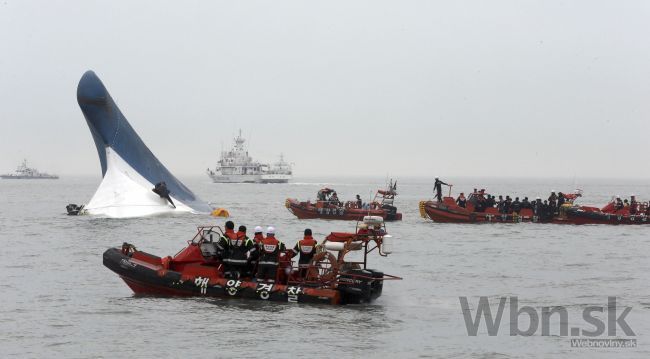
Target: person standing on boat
[
  {"x": 552, "y": 201},
  {"x": 258, "y": 236},
  {"x": 437, "y": 188},
  {"x": 269, "y": 248},
  {"x": 359, "y": 202},
  {"x": 239, "y": 249},
  {"x": 223, "y": 245},
  {"x": 516, "y": 206},
  {"x": 306, "y": 247},
  {"x": 634, "y": 205},
  {"x": 461, "y": 201}
]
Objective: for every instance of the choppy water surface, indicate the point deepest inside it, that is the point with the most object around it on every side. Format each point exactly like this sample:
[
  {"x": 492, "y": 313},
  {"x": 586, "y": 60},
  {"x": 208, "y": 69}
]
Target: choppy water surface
[{"x": 59, "y": 300}]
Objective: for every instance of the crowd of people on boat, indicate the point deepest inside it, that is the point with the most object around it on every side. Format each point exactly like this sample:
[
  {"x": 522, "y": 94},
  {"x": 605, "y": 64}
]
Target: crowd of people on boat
[
  {"x": 329, "y": 196},
  {"x": 260, "y": 256},
  {"x": 506, "y": 205},
  {"x": 547, "y": 208}
]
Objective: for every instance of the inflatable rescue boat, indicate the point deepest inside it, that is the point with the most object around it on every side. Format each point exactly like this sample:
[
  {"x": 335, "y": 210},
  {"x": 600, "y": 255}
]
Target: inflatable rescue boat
[{"x": 198, "y": 270}]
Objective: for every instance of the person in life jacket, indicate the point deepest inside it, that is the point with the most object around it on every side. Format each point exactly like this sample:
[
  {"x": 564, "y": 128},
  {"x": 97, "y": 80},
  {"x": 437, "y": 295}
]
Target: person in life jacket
[
  {"x": 306, "y": 247},
  {"x": 253, "y": 254},
  {"x": 239, "y": 248},
  {"x": 223, "y": 245},
  {"x": 461, "y": 201},
  {"x": 258, "y": 236},
  {"x": 269, "y": 254}
]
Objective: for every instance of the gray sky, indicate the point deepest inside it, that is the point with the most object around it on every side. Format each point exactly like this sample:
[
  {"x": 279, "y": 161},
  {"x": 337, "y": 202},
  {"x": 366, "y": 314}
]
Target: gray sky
[{"x": 411, "y": 88}]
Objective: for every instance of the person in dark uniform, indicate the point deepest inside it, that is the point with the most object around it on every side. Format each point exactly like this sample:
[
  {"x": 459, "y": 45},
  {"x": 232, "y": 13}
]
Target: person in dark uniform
[
  {"x": 501, "y": 204},
  {"x": 306, "y": 247},
  {"x": 560, "y": 200},
  {"x": 461, "y": 201},
  {"x": 161, "y": 189},
  {"x": 516, "y": 206},
  {"x": 507, "y": 205},
  {"x": 525, "y": 204},
  {"x": 552, "y": 200},
  {"x": 223, "y": 245},
  {"x": 437, "y": 188},
  {"x": 269, "y": 249},
  {"x": 239, "y": 253},
  {"x": 359, "y": 202}
]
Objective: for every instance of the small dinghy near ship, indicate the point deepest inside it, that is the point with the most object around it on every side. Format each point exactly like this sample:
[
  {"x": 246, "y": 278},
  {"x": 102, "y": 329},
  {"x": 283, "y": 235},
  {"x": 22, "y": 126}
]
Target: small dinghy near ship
[
  {"x": 328, "y": 206},
  {"x": 199, "y": 270}
]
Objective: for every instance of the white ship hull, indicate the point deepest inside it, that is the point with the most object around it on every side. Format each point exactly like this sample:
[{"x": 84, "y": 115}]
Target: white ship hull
[
  {"x": 275, "y": 178},
  {"x": 219, "y": 178}
]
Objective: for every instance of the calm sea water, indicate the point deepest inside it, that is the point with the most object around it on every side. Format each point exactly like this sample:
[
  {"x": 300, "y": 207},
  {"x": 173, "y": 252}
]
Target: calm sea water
[{"x": 58, "y": 300}]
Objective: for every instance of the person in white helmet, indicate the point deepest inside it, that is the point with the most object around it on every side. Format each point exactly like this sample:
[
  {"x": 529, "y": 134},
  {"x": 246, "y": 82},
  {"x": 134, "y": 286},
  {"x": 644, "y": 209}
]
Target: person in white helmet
[{"x": 269, "y": 253}]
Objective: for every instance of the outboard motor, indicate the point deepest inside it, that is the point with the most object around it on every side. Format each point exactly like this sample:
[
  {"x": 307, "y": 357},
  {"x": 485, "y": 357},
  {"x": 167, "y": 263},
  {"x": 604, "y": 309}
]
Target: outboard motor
[{"x": 161, "y": 190}]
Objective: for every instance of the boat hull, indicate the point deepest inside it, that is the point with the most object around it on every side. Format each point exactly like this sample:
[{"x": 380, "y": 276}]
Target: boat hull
[
  {"x": 446, "y": 212},
  {"x": 581, "y": 216},
  {"x": 306, "y": 210},
  {"x": 146, "y": 275},
  {"x": 29, "y": 177}
]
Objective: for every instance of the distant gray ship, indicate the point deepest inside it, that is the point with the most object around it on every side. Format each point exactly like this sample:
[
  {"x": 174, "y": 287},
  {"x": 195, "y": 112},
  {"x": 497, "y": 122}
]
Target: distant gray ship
[
  {"x": 25, "y": 172},
  {"x": 236, "y": 166}
]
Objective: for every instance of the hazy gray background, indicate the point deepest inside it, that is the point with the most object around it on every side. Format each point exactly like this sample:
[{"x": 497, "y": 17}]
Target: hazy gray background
[{"x": 417, "y": 88}]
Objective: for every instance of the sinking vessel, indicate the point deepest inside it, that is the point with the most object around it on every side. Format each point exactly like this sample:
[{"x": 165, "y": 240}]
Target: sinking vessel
[
  {"x": 130, "y": 171},
  {"x": 327, "y": 206},
  {"x": 25, "y": 172},
  {"x": 198, "y": 270}
]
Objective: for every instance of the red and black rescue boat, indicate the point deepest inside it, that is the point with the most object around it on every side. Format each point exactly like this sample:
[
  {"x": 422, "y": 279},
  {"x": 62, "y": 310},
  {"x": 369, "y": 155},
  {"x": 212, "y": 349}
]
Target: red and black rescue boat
[
  {"x": 327, "y": 206},
  {"x": 198, "y": 270},
  {"x": 448, "y": 211}
]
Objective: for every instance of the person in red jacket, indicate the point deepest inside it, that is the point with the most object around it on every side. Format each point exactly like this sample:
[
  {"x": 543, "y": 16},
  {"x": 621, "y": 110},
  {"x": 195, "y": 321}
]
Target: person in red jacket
[
  {"x": 257, "y": 238},
  {"x": 306, "y": 247},
  {"x": 269, "y": 253}
]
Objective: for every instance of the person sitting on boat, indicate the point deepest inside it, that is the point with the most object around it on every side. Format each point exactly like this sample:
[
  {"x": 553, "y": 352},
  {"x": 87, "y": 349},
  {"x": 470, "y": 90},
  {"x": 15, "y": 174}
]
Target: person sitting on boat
[
  {"x": 239, "y": 253},
  {"x": 359, "y": 202},
  {"x": 334, "y": 199},
  {"x": 516, "y": 206},
  {"x": 619, "y": 203},
  {"x": 461, "y": 200},
  {"x": 270, "y": 249},
  {"x": 306, "y": 247},
  {"x": 437, "y": 188},
  {"x": 626, "y": 204}
]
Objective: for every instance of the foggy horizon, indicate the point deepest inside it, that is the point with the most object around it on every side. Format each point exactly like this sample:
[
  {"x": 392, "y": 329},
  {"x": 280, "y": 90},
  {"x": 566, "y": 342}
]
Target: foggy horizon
[{"x": 361, "y": 89}]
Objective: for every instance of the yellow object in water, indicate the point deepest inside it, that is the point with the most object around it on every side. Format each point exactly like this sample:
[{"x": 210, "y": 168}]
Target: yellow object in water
[{"x": 220, "y": 212}]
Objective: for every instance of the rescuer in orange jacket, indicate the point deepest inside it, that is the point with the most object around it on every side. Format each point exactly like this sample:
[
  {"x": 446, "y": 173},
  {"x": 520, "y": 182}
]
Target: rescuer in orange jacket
[
  {"x": 269, "y": 251},
  {"x": 306, "y": 247},
  {"x": 223, "y": 245},
  {"x": 239, "y": 248}
]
